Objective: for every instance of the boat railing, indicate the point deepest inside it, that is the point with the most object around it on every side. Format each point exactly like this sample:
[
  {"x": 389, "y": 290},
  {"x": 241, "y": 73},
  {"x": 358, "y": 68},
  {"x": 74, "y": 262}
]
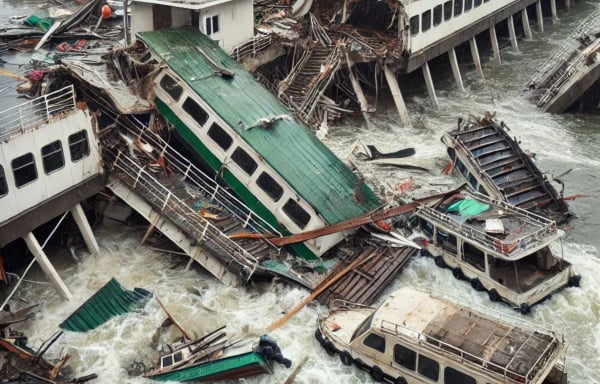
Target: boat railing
[
  {"x": 400, "y": 330},
  {"x": 558, "y": 58},
  {"x": 589, "y": 24},
  {"x": 33, "y": 114},
  {"x": 251, "y": 48},
  {"x": 508, "y": 247},
  {"x": 172, "y": 207},
  {"x": 202, "y": 183},
  {"x": 573, "y": 67}
]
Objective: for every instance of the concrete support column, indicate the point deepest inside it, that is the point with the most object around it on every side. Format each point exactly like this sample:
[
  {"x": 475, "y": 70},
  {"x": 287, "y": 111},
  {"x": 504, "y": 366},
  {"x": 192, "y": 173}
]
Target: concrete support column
[
  {"x": 85, "y": 229},
  {"x": 456, "y": 69},
  {"x": 364, "y": 106},
  {"x": 46, "y": 265},
  {"x": 568, "y": 4},
  {"x": 495, "y": 46},
  {"x": 475, "y": 56},
  {"x": 553, "y": 9},
  {"x": 512, "y": 34},
  {"x": 397, "y": 95},
  {"x": 526, "y": 27},
  {"x": 539, "y": 15},
  {"x": 429, "y": 83}
]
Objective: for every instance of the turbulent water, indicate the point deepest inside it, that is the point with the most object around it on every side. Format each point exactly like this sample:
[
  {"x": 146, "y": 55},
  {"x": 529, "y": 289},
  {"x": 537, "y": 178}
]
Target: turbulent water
[{"x": 561, "y": 142}]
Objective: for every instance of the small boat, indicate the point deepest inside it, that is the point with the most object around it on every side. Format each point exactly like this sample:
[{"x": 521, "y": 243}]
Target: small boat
[
  {"x": 491, "y": 162},
  {"x": 499, "y": 248},
  {"x": 213, "y": 358},
  {"x": 413, "y": 337}
]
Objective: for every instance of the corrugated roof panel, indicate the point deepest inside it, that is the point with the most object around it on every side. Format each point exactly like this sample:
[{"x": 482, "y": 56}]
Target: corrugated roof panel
[{"x": 288, "y": 146}]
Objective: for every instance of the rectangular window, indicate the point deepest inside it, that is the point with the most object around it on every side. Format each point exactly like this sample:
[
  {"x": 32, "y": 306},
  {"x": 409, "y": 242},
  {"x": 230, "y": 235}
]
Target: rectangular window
[
  {"x": 270, "y": 186},
  {"x": 24, "y": 169},
  {"x": 414, "y": 25},
  {"x": 167, "y": 361},
  {"x": 426, "y": 21},
  {"x": 458, "y": 6},
  {"x": 429, "y": 368},
  {"x": 447, "y": 10},
  {"x": 244, "y": 160},
  {"x": 211, "y": 24},
  {"x": 169, "y": 85},
  {"x": 477, "y": 3},
  {"x": 468, "y": 5},
  {"x": 376, "y": 342},
  {"x": 452, "y": 376},
  {"x": 219, "y": 136},
  {"x": 52, "y": 157},
  {"x": 296, "y": 213},
  {"x": 437, "y": 15},
  {"x": 473, "y": 256},
  {"x": 405, "y": 357},
  {"x": 195, "y": 111},
  {"x": 3, "y": 185},
  {"x": 79, "y": 145}
]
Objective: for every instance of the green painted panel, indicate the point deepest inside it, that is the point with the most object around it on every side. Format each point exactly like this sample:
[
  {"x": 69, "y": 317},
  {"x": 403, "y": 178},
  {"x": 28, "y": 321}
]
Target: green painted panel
[{"x": 110, "y": 301}]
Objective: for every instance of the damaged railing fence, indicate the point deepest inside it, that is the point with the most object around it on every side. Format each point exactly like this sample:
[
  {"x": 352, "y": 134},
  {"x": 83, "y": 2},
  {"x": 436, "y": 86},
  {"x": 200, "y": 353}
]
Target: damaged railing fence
[
  {"x": 31, "y": 115},
  {"x": 251, "y": 48},
  {"x": 171, "y": 207}
]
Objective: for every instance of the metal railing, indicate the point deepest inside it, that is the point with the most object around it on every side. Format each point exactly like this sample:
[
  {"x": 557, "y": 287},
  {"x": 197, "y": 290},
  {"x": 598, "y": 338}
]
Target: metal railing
[
  {"x": 251, "y": 48},
  {"x": 525, "y": 243},
  {"x": 31, "y": 115},
  {"x": 487, "y": 365},
  {"x": 173, "y": 208}
]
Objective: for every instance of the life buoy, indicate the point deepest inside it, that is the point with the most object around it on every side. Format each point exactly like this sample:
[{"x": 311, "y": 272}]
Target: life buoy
[
  {"x": 376, "y": 373},
  {"x": 346, "y": 358},
  {"x": 476, "y": 284},
  {"x": 494, "y": 295},
  {"x": 457, "y": 273}
]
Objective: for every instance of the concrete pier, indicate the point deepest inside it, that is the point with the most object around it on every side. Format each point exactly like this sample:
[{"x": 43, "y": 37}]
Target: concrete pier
[
  {"x": 429, "y": 83},
  {"x": 475, "y": 56},
  {"x": 526, "y": 27},
  {"x": 539, "y": 16},
  {"x": 397, "y": 95},
  {"x": 512, "y": 34},
  {"x": 495, "y": 46},
  {"x": 84, "y": 228},
  {"x": 456, "y": 69}
]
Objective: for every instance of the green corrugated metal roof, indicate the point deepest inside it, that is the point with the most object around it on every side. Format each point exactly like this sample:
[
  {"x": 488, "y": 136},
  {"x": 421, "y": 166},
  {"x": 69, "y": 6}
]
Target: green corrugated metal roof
[
  {"x": 110, "y": 301},
  {"x": 289, "y": 146}
]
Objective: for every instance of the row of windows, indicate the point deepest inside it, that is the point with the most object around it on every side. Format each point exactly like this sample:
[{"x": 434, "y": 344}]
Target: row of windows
[
  {"x": 25, "y": 170},
  {"x": 239, "y": 156},
  {"x": 420, "y": 363},
  {"x": 446, "y": 11}
]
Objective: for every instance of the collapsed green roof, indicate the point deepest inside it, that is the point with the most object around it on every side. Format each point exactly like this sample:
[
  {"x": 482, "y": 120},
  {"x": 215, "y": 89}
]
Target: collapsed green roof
[
  {"x": 288, "y": 146},
  {"x": 110, "y": 301}
]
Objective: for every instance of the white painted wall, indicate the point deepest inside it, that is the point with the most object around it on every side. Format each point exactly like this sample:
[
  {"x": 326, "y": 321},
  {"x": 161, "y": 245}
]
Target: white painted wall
[{"x": 141, "y": 19}]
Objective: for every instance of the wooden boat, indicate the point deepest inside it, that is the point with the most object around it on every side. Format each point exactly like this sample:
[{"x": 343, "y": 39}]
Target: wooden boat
[
  {"x": 495, "y": 246},
  {"x": 241, "y": 132},
  {"x": 213, "y": 358},
  {"x": 413, "y": 337},
  {"x": 491, "y": 162}
]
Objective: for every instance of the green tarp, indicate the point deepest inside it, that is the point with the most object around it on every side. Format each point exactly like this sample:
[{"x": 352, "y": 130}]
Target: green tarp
[
  {"x": 468, "y": 207},
  {"x": 39, "y": 22},
  {"x": 110, "y": 301}
]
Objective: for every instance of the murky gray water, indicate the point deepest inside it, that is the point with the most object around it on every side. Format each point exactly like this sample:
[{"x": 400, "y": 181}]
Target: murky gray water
[{"x": 200, "y": 303}]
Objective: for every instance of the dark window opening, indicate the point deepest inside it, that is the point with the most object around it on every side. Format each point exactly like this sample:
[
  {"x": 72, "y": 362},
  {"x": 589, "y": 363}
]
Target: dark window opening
[
  {"x": 3, "y": 185},
  {"x": 244, "y": 160},
  {"x": 446, "y": 240},
  {"x": 458, "y": 6},
  {"x": 79, "y": 145},
  {"x": 427, "y": 227},
  {"x": 296, "y": 213},
  {"x": 363, "y": 327},
  {"x": 452, "y": 376},
  {"x": 178, "y": 357},
  {"x": 477, "y": 3},
  {"x": 473, "y": 256},
  {"x": 468, "y": 5},
  {"x": 195, "y": 111},
  {"x": 270, "y": 186},
  {"x": 429, "y": 368},
  {"x": 375, "y": 341},
  {"x": 212, "y": 24},
  {"x": 219, "y": 136},
  {"x": 405, "y": 357},
  {"x": 52, "y": 156},
  {"x": 437, "y": 15},
  {"x": 426, "y": 20},
  {"x": 414, "y": 25},
  {"x": 169, "y": 85},
  {"x": 167, "y": 361},
  {"x": 24, "y": 169},
  {"x": 447, "y": 10}
]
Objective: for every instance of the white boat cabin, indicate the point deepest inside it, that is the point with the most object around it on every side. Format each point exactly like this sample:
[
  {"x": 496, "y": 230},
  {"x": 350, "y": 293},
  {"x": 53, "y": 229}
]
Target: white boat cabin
[{"x": 229, "y": 22}]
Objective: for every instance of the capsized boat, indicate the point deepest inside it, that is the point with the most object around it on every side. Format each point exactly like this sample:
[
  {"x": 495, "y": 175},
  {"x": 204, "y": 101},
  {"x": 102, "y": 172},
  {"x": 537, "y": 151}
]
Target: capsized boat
[
  {"x": 492, "y": 162},
  {"x": 413, "y": 337},
  {"x": 212, "y": 357},
  {"x": 497, "y": 247}
]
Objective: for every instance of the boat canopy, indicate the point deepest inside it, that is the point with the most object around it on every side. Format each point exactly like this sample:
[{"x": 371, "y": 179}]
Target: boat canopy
[{"x": 282, "y": 141}]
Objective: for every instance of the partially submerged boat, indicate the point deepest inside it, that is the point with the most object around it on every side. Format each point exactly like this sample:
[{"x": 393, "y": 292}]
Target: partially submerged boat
[
  {"x": 491, "y": 162},
  {"x": 413, "y": 337},
  {"x": 213, "y": 358},
  {"x": 497, "y": 247}
]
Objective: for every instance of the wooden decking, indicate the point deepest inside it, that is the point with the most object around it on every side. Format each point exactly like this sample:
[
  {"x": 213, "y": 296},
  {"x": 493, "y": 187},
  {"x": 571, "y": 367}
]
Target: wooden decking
[{"x": 377, "y": 268}]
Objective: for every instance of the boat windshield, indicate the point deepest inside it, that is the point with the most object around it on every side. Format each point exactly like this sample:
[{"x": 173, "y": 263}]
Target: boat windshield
[{"x": 363, "y": 327}]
